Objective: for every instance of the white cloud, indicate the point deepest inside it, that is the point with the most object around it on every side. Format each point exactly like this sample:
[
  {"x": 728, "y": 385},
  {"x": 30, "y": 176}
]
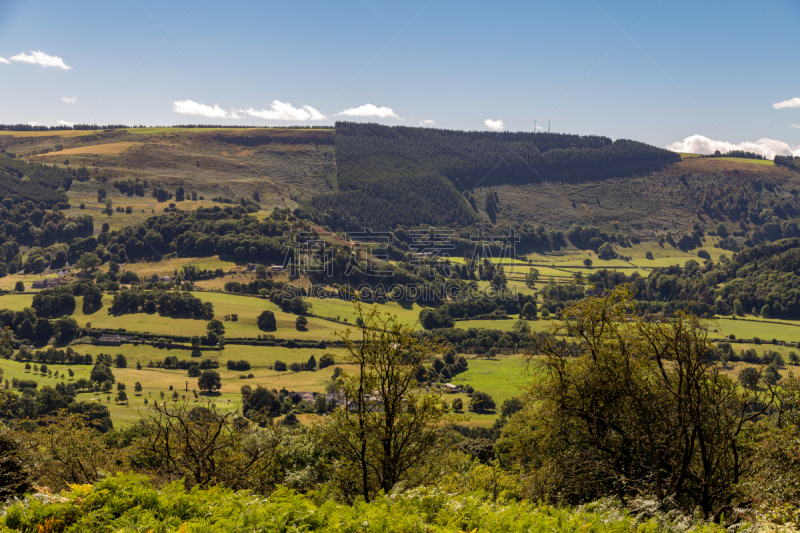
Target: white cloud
[
  {"x": 190, "y": 107},
  {"x": 69, "y": 100},
  {"x": 369, "y": 110},
  {"x": 495, "y": 125},
  {"x": 285, "y": 111},
  {"x": 33, "y": 123},
  {"x": 4, "y": 60},
  {"x": 698, "y": 144},
  {"x": 795, "y": 126},
  {"x": 427, "y": 123},
  {"x": 65, "y": 123},
  {"x": 794, "y": 102},
  {"x": 40, "y": 58}
]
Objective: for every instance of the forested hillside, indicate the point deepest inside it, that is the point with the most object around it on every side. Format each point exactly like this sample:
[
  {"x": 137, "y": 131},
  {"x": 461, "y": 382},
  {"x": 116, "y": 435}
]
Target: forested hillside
[
  {"x": 414, "y": 175},
  {"x": 20, "y": 181}
]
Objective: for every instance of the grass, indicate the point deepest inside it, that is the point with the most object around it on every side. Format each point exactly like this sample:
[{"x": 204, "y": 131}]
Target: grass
[
  {"x": 248, "y": 309},
  {"x": 502, "y": 378},
  {"x": 143, "y": 207},
  {"x": 517, "y": 286},
  {"x": 98, "y": 149},
  {"x": 499, "y": 378},
  {"x": 667, "y": 255},
  {"x": 16, "y": 301},
  {"x": 8, "y": 282},
  {"x": 494, "y": 261},
  {"x": 156, "y": 380},
  {"x": 59, "y": 133},
  {"x": 663, "y": 256},
  {"x": 787, "y": 332},
  {"x": 750, "y": 161},
  {"x": 502, "y": 325},
  {"x": 159, "y": 131},
  {"x": 343, "y": 309},
  {"x": 190, "y": 157},
  {"x": 169, "y": 266}
]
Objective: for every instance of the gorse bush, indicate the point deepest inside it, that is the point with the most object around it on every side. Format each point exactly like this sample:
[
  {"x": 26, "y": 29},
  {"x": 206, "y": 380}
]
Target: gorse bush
[{"x": 129, "y": 502}]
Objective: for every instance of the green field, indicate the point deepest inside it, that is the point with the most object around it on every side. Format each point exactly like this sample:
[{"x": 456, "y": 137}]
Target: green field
[
  {"x": 787, "y": 332},
  {"x": 502, "y": 324},
  {"x": 662, "y": 256},
  {"x": 685, "y": 155},
  {"x": 750, "y": 161},
  {"x": 248, "y": 309},
  {"x": 157, "y": 380},
  {"x": 340, "y": 309},
  {"x": 168, "y": 266},
  {"x": 503, "y": 378}
]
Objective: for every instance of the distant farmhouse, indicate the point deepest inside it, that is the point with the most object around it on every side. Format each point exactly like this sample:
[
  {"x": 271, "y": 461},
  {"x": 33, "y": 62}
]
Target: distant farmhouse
[
  {"x": 450, "y": 388},
  {"x": 46, "y": 283},
  {"x": 298, "y": 397},
  {"x": 112, "y": 339}
]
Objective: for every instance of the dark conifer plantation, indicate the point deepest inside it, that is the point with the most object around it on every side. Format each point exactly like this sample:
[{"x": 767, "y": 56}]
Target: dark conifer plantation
[{"x": 400, "y": 175}]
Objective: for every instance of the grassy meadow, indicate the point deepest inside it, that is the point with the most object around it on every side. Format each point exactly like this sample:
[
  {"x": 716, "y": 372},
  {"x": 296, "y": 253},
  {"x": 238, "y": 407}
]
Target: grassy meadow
[{"x": 504, "y": 378}]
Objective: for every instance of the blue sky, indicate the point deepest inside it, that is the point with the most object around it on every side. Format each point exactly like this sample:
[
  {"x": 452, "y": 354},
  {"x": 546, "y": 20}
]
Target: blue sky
[{"x": 700, "y": 74}]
